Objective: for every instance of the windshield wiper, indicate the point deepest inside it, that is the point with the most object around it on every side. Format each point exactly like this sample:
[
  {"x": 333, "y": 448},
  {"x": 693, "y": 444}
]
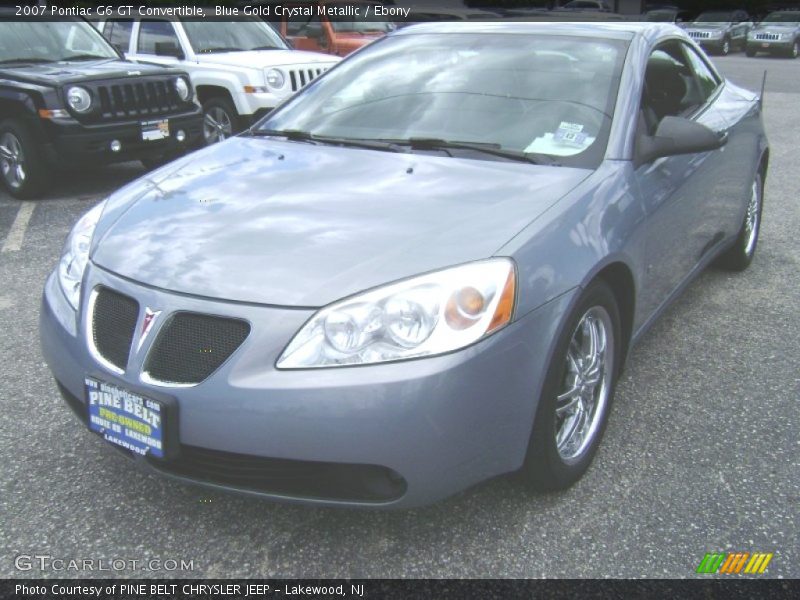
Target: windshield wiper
[
  {"x": 266, "y": 48},
  {"x": 298, "y": 135},
  {"x": 295, "y": 135},
  {"x": 26, "y": 60},
  {"x": 220, "y": 49},
  {"x": 482, "y": 147},
  {"x": 77, "y": 57}
]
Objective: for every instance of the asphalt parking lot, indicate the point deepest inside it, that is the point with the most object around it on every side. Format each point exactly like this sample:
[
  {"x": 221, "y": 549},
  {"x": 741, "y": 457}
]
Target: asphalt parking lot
[{"x": 701, "y": 453}]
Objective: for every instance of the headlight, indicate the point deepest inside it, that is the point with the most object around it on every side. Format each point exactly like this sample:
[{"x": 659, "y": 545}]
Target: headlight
[
  {"x": 276, "y": 78},
  {"x": 183, "y": 89},
  {"x": 79, "y": 99},
  {"x": 424, "y": 316},
  {"x": 76, "y": 255}
]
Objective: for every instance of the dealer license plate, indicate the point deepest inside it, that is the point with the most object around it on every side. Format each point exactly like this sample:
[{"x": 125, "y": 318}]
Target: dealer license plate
[
  {"x": 126, "y": 419},
  {"x": 155, "y": 130}
]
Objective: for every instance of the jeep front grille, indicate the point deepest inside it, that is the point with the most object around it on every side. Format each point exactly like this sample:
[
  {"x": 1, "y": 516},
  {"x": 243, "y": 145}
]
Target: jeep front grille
[
  {"x": 768, "y": 37},
  {"x": 137, "y": 98},
  {"x": 302, "y": 77},
  {"x": 700, "y": 35}
]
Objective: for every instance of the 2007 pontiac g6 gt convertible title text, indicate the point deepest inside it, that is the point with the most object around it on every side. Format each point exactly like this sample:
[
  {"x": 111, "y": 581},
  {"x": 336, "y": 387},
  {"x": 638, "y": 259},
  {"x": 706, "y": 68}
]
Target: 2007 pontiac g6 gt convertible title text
[{"x": 424, "y": 270}]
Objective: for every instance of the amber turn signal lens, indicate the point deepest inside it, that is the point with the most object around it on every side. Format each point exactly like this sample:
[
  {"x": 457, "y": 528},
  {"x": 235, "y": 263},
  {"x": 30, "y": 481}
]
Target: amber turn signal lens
[
  {"x": 505, "y": 308},
  {"x": 464, "y": 308}
]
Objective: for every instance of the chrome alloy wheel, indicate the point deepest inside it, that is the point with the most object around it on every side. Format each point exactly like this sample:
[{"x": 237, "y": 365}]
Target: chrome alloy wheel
[
  {"x": 217, "y": 125},
  {"x": 752, "y": 218},
  {"x": 587, "y": 384},
  {"x": 12, "y": 160}
]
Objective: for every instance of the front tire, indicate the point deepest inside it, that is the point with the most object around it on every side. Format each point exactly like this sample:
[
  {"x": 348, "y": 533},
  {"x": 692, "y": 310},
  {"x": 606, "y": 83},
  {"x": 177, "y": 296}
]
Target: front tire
[
  {"x": 725, "y": 48},
  {"x": 794, "y": 51},
  {"x": 739, "y": 256},
  {"x": 577, "y": 393},
  {"x": 220, "y": 120},
  {"x": 750, "y": 52},
  {"x": 22, "y": 169}
]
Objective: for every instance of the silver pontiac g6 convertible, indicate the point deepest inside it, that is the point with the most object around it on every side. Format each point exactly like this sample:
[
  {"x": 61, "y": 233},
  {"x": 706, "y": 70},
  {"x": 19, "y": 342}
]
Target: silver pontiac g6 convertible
[{"x": 424, "y": 270}]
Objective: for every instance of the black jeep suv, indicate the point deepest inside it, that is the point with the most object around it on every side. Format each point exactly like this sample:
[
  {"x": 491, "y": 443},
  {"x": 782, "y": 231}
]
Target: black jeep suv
[{"x": 68, "y": 98}]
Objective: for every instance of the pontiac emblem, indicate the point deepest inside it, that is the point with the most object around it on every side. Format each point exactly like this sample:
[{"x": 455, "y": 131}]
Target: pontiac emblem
[{"x": 150, "y": 317}]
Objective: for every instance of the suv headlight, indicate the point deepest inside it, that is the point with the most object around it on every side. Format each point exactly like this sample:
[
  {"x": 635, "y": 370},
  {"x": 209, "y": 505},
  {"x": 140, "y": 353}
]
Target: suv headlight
[
  {"x": 183, "y": 89},
  {"x": 76, "y": 254},
  {"x": 276, "y": 78},
  {"x": 427, "y": 315},
  {"x": 79, "y": 99}
]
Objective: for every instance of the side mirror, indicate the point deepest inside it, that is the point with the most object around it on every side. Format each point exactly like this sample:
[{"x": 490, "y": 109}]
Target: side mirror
[
  {"x": 676, "y": 135},
  {"x": 169, "y": 49}
]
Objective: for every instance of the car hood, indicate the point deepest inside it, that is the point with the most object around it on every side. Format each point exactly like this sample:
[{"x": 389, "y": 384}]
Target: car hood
[
  {"x": 61, "y": 73},
  {"x": 293, "y": 224},
  {"x": 262, "y": 59}
]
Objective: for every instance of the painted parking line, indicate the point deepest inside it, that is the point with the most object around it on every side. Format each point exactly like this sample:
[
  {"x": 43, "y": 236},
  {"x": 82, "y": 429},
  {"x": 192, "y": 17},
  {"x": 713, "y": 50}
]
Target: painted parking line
[{"x": 17, "y": 233}]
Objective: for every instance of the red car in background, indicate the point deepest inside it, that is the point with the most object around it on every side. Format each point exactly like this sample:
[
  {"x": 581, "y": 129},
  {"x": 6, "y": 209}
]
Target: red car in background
[{"x": 338, "y": 34}]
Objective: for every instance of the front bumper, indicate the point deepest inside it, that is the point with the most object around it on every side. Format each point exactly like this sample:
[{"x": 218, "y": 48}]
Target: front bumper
[
  {"x": 432, "y": 426},
  {"x": 69, "y": 143},
  {"x": 770, "y": 46}
]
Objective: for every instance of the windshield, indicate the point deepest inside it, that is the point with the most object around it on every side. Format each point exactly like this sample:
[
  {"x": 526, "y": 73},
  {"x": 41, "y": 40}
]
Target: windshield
[
  {"x": 782, "y": 17},
  {"x": 714, "y": 17},
  {"x": 232, "y": 36},
  {"x": 362, "y": 26},
  {"x": 540, "y": 94},
  {"x": 345, "y": 24},
  {"x": 39, "y": 41},
  {"x": 660, "y": 16}
]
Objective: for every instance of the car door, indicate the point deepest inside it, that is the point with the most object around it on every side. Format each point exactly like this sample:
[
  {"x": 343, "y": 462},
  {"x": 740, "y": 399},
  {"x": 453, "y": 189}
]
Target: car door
[
  {"x": 157, "y": 41},
  {"x": 740, "y": 28},
  {"x": 119, "y": 32},
  {"x": 680, "y": 193}
]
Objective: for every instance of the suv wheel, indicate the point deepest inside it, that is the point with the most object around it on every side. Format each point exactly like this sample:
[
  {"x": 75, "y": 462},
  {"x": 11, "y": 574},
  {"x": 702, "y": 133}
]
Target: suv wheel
[
  {"x": 795, "y": 49},
  {"x": 726, "y": 47},
  {"x": 220, "y": 120},
  {"x": 21, "y": 167},
  {"x": 751, "y": 51}
]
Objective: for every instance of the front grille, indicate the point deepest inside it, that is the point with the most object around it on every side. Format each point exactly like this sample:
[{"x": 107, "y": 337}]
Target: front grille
[
  {"x": 700, "y": 35},
  {"x": 302, "y": 77},
  {"x": 137, "y": 98},
  {"x": 769, "y": 37},
  {"x": 191, "y": 346},
  {"x": 296, "y": 478},
  {"x": 114, "y": 318}
]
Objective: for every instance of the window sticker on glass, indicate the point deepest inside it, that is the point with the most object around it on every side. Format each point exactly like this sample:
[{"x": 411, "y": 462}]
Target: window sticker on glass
[{"x": 568, "y": 139}]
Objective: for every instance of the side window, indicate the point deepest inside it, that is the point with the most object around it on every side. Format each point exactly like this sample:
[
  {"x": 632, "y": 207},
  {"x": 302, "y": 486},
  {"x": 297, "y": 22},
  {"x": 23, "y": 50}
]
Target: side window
[
  {"x": 159, "y": 38},
  {"x": 665, "y": 86},
  {"x": 118, "y": 33},
  {"x": 303, "y": 25},
  {"x": 704, "y": 78}
]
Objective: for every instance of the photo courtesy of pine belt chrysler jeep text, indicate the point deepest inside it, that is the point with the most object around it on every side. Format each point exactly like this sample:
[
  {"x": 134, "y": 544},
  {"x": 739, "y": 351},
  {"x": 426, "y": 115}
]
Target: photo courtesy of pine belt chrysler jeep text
[{"x": 425, "y": 269}]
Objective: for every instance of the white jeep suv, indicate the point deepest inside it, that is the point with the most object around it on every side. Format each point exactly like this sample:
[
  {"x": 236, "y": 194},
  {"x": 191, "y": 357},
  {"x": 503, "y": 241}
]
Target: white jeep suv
[{"x": 240, "y": 69}]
